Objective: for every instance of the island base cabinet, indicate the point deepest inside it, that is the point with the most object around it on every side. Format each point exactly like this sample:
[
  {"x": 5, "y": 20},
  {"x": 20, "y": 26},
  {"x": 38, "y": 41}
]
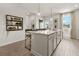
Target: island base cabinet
[
  {"x": 59, "y": 37},
  {"x": 39, "y": 45},
  {"x": 42, "y": 44},
  {"x": 36, "y": 44},
  {"x": 55, "y": 41},
  {"x": 51, "y": 44}
]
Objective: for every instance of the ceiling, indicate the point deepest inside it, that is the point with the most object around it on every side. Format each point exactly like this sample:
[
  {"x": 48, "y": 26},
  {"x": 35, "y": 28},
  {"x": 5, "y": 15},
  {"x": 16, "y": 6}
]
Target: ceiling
[{"x": 45, "y": 8}]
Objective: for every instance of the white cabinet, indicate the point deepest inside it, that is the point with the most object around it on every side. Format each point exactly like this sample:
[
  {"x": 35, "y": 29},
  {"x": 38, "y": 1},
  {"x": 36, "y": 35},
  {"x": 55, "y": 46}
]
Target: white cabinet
[
  {"x": 43, "y": 44},
  {"x": 55, "y": 40},
  {"x": 36, "y": 44},
  {"x": 51, "y": 44},
  {"x": 58, "y": 37}
]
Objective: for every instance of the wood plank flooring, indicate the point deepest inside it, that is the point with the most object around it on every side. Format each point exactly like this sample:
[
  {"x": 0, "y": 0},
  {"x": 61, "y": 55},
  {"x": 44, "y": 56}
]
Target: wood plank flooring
[
  {"x": 66, "y": 48},
  {"x": 15, "y": 49}
]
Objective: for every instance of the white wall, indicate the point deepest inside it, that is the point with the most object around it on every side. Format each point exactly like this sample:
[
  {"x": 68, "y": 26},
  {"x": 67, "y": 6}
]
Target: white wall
[
  {"x": 7, "y": 37},
  {"x": 77, "y": 23},
  {"x": 73, "y": 25}
]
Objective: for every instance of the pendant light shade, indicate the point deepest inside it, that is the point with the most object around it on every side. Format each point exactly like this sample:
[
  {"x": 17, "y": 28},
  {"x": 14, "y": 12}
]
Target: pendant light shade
[
  {"x": 38, "y": 10},
  {"x": 38, "y": 14},
  {"x": 51, "y": 12}
]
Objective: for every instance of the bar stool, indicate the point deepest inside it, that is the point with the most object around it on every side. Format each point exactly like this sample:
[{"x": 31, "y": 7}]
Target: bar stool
[{"x": 28, "y": 40}]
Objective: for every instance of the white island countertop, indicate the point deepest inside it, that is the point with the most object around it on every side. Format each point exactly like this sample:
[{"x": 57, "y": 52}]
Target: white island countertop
[{"x": 45, "y": 32}]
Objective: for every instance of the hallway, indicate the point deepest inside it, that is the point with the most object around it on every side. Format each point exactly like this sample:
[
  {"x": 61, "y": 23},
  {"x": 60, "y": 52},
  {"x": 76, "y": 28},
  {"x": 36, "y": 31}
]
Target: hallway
[
  {"x": 67, "y": 19},
  {"x": 67, "y": 48},
  {"x": 66, "y": 33}
]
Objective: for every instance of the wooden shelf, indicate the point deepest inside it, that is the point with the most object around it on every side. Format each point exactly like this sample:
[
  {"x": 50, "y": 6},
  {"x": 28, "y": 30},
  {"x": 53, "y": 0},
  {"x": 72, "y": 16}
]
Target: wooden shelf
[
  {"x": 13, "y": 20},
  {"x": 14, "y": 23}
]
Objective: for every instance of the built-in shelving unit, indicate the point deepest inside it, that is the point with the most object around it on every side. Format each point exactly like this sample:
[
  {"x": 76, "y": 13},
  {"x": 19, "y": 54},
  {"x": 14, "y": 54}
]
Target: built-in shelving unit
[{"x": 14, "y": 23}]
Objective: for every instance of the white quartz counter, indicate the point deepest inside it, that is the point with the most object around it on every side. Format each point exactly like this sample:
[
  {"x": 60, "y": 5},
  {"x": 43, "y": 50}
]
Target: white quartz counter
[{"x": 45, "y": 32}]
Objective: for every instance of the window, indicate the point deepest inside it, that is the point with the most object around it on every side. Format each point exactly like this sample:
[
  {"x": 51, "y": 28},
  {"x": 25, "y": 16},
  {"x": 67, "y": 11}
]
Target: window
[
  {"x": 67, "y": 20},
  {"x": 43, "y": 24}
]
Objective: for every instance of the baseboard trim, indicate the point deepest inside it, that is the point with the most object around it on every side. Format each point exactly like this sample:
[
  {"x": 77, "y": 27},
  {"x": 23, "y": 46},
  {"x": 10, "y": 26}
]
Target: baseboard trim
[
  {"x": 35, "y": 53},
  {"x": 10, "y": 43}
]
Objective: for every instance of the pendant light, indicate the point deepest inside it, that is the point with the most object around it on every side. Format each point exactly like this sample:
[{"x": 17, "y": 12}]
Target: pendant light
[
  {"x": 38, "y": 10},
  {"x": 51, "y": 15}
]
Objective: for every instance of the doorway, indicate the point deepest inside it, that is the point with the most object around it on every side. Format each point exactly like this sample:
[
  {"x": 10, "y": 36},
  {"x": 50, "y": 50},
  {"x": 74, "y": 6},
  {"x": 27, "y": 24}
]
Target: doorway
[{"x": 67, "y": 25}]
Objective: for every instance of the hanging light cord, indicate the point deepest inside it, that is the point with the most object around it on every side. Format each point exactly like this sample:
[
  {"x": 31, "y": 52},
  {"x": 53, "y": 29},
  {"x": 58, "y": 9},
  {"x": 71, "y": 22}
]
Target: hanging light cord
[
  {"x": 51, "y": 12},
  {"x": 39, "y": 8}
]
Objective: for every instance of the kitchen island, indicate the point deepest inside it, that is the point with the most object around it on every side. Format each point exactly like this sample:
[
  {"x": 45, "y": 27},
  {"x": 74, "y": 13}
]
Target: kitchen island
[
  {"x": 28, "y": 37},
  {"x": 43, "y": 43}
]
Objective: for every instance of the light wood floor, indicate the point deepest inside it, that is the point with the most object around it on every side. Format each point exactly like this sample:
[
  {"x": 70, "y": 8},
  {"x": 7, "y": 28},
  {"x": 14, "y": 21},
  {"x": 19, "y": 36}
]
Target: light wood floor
[{"x": 66, "y": 48}]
